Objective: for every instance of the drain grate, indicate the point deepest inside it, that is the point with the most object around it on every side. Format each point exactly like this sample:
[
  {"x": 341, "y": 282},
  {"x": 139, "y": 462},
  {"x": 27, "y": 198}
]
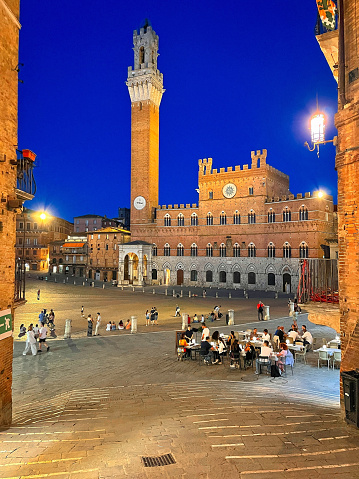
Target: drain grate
[{"x": 154, "y": 461}]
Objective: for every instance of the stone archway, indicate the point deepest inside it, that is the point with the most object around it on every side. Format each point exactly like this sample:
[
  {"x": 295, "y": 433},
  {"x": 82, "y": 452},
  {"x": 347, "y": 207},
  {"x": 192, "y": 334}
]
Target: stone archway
[
  {"x": 287, "y": 283},
  {"x": 131, "y": 268}
]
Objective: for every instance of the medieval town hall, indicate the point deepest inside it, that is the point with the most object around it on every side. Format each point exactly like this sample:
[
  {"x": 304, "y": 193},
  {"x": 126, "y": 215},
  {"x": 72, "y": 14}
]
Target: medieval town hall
[{"x": 247, "y": 229}]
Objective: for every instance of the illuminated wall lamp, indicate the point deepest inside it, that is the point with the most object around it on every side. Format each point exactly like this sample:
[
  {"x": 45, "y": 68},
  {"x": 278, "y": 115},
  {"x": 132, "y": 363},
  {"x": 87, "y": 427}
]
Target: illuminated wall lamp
[{"x": 317, "y": 133}]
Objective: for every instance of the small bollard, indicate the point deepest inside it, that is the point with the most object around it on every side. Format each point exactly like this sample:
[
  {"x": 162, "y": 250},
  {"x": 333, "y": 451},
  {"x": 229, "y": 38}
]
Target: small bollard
[
  {"x": 230, "y": 317},
  {"x": 184, "y": 321},
  {"x": 173, "y": 293},
  {"x": 143, "y": 290},
  {"x": 246, "y": 295},
  {"x": 153, "y": 291},
  {"x": 166, "y": 292},
  {"x": 189, "y": 294},
  {"x": 181, "y": 293},
  {"x": 83, "y": 283},
  {"x": 133, "y": 324},
  {"x": 276, "y": 295},
  {"x": 55, "y": 280},
  {"x": 244, "y": 292},
  {"x": 266, "y": 313},
  {"x": 122, "y": 288},
  {"x": 133, "y": 289},
  {"x": 74, "y": 283},
  {"x": 103, "y": 286},
  {"x": 230, "y": 295},
  {"x": 67, "y": 334},
  {"x": 216, "y": 294},
  {"x": 64, "y": 281},
  {"x": 93, "y": 284}
]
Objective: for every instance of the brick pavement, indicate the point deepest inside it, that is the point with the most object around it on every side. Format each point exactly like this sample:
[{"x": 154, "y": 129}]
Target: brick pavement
[{"x": 91, "y": 407}]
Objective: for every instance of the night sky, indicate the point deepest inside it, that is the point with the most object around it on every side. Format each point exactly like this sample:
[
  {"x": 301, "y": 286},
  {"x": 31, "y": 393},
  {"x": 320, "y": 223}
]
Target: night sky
[{"x": 239, "y": 76}]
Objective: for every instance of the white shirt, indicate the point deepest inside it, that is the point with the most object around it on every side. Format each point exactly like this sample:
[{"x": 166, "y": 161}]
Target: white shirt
[
  {"x": 30, "y": 337},
  {"x": 265, "y": 337},
  {"x": 294, "y": 335},
  {"x": 308, "y": 337},
  {"x": 35, "y": 330},
  {"x": 108, "y": 327},
  {"x": 205, "y": 334},
  {"x": 43, "y": 332},
  {"x": 98, "y": 319},
  {"x": 266, "y": 351}
]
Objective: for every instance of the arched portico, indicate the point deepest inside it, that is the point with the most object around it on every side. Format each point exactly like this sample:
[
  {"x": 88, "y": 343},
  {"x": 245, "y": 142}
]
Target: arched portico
[{"x": 135, "y": 263}]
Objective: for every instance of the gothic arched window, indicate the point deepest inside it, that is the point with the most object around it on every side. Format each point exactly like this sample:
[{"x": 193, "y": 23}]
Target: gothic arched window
[
  {"x": 287, "y": 250},
  {"x": 236, "y": 250},
  {"x": 251, "y": 217},
  {"x": 271, "y": 216},
  {"x": 141, "y": 58},
  {"x": 194, "y": 249},
  {"x": 236, "y": 218},
  {"x": 194, "y": 219},
  {"x": 209, "y": 250},
  {"x": 209, "y": 219},
  {"x": 180, "y": 249},
  {"x": 303, "y": 250},
  {"x": 287, "y": 214},
  {"x": 251, "y": 250},
  {"x": 303, "y": 213},
  {"x": 154, "y": 249},
  {"x": 271, "y": 250},
  {"x": 223, "y": 218},
  {"x": 167, "y": 220},
  {"x": 180, "y": 220},
  {"x": 166, "y": 250},
  {"x": 222, "y": 250}
]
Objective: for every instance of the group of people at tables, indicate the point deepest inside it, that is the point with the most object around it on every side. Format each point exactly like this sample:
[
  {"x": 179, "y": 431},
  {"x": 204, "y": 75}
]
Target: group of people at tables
[
  {"x": 121, "y": 325},
  {"x": 214, "y": 348}
]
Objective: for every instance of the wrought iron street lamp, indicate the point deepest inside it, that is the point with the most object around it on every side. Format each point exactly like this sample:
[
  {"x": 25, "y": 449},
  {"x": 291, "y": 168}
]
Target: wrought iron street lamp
[{"x": 317, "y": 132}]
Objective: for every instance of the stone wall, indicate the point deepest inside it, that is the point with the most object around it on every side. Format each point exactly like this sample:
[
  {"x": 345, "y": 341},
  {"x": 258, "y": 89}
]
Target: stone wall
[{"x": 9, "y": 34}]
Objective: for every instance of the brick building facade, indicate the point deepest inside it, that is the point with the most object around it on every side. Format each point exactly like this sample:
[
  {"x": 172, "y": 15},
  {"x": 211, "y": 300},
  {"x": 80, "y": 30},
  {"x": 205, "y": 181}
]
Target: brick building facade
[
  {"x": 16, "y": 186},
  {"x": 33, "y": 236},
  {"x": 85, "y": 223},
  {"x": 69, "y": 256},
  {"x": 340, "y": 48},
  {"x": 247, "y": 229}
]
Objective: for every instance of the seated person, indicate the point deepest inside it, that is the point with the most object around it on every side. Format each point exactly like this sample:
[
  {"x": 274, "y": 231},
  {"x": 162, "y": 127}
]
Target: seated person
[
  {"x": 128, "y": 324},
  {"x": 189, "y": 333},
  {"x": 250, "y": 352},
  {"x": 254, "y": 333},
  {"x": 120, "y": 325},
  {"x": 222, "y": 348},
  {"x": 207, "y": 351},
  {"x": 113, "y": 327},
  {"x": 265, "y": 351},
  {"x": 195, "y": 318},
  {"x": 306, "y": 336},
  {"x": 293, "y": 328},
  {"x": 235, "y": 351},
  {"x": 22, "y": 331},
  {"x": 230, "y": 339},
  {"x": 215, "y": 344},
  {"x": 293, "y": 334},
  {"x": 182, "y": 343},
  {"x": 108, "y": 326},
  {"x": 265, "y": 336}
]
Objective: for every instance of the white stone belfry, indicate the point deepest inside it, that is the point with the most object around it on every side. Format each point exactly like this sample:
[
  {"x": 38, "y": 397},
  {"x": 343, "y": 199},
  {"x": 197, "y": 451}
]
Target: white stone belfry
[{"x": 145, "y": 81}]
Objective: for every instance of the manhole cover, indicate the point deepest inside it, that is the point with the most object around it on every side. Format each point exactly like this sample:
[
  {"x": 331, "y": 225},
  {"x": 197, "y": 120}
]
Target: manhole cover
[{"x": 154, "y": 461}]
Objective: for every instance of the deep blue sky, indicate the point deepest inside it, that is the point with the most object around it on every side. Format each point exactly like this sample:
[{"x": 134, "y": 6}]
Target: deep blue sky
[{"x": 239, "y": 76}]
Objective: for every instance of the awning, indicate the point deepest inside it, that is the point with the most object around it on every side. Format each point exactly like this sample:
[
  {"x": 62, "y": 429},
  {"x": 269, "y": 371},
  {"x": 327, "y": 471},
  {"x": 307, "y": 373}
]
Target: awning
[{"x": 73, "y": 245}]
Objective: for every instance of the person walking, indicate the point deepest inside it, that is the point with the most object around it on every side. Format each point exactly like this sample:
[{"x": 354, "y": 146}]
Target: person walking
[
  {"x": 41, "y": 316},
  {"x": 89, "y": 325},
  {"x": 30, "y": 342},
  {"x": 42, "y": 338},
  {"x": 260, "y": 307},
  {"x": 36, "y": 331},
  {"x": 38, "y": 294},
  {"x": 98, "y": 322},
  {"x": 178, "y": 311}
]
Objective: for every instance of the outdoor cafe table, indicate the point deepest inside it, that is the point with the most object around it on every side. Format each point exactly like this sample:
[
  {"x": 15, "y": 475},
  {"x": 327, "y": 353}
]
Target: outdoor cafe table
[
  {"x": 330, "y": 351},
  {"x": 295, "y": 347},
  {"x": 194, "y": 349}
]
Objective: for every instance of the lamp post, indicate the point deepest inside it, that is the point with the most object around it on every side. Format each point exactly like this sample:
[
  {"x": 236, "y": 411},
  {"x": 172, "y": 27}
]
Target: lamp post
[{"x": 317, "y": 132}]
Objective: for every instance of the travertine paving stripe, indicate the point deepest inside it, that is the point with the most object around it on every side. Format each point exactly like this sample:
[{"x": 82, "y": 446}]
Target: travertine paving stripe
[
  {"x": 297, "y": 469},
  {"x": 34, "y": 476},
  {"x": 41, "y": 462},
  {"x": 263, "y": 425},
  {"x": 296, "y": 454},
  {"x": 286, "y": 433}
]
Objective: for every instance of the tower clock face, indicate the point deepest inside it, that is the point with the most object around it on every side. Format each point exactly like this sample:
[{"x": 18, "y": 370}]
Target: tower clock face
[
  {"x": 139, "y": 202},
  {"x": 229, "y": 190}
]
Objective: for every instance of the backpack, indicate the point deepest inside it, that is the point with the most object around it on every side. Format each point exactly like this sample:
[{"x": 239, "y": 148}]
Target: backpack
[{"x": 274, "y": 371}]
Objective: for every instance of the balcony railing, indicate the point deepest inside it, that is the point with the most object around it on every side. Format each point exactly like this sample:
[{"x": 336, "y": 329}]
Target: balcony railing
[
  {"x": 19, "y": 295},
  {"x": 26, "y": 186}
]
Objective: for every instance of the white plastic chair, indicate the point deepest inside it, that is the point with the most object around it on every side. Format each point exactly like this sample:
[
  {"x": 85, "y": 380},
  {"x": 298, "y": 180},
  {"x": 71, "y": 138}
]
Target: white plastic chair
[
  {"x": 323, "y": 356},
  {"x": 337, "y": 357}
]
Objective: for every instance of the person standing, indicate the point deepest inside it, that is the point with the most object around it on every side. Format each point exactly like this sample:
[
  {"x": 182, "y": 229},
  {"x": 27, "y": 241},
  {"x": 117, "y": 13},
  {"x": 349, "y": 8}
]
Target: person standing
[
  {"x": 36, "y": 331},
  {"x": 156, "y": 316},
  {"x": 52, "y": 318},
  {"x": 260, "y": 311},
  {"x": 82, "y": 311},
  {"x": 98, "y": 322},
  {"x": 205, "y": 332},
  {"x": 38, "y": 294},
  {"x": 41, "y": 316},
  {"x": 147, "y": 314},
  {"x": 178, "y": 311},
  {"x": 89, "y": 325},
  {"x": 30, "y": 342},
  {"x": 42, "y": 338}
]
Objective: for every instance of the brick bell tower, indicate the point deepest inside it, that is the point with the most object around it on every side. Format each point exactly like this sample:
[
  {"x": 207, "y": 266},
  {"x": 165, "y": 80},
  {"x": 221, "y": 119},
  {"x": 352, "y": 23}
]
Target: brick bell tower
[{"x": 145, "y": 86}]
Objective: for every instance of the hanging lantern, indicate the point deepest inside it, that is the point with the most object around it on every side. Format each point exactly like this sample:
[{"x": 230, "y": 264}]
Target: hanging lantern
[{"x": 317, "y": 128}]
